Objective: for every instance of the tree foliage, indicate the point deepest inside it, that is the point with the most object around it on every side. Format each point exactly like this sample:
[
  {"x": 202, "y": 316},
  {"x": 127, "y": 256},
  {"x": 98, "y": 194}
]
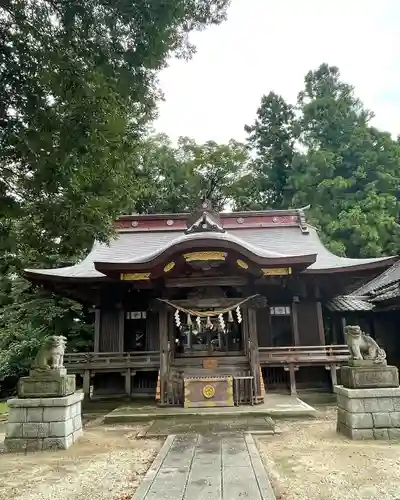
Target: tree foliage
[
  {"x": 324, "y": 152},
  {"x": 78, "y": 86},
  {"x": 350, "y": 171},
  {"x": 174, "y": 177},
  {"x": 272, "y": 139}
]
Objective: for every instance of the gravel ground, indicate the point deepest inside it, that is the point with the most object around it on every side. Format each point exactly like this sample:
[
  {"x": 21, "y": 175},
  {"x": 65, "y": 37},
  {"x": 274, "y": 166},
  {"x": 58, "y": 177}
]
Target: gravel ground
[
  {"x": 310, "y": 461},
  {"x": 107, "y": 463}
]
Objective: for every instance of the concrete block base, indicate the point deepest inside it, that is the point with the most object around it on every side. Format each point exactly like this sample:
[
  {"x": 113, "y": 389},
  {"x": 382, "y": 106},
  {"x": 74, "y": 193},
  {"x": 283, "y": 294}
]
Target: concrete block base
[
  {"x": 43, "y": 423},
  {"x": 368, "y": 413}
]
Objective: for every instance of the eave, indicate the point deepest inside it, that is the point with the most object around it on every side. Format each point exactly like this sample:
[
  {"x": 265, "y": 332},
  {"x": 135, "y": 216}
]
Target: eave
[
  {"x": 211, "y": 244},
  {"x": 366, "y": 266}
]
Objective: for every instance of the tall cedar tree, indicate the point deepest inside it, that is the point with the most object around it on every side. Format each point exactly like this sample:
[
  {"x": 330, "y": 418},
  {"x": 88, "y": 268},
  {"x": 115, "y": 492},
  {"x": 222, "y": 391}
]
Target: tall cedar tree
[{"x": 271, "y": 139}]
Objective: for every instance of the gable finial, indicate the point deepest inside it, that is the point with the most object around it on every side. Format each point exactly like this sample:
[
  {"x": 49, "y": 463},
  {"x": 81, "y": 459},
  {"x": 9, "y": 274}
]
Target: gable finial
[
  {"x": 302, "y": 219},
  {"x": 204, "y": 218}
]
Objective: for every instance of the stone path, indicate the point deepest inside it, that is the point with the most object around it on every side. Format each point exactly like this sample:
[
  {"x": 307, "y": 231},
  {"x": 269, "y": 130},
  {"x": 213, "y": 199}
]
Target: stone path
[{"x": 195, "y": 467}]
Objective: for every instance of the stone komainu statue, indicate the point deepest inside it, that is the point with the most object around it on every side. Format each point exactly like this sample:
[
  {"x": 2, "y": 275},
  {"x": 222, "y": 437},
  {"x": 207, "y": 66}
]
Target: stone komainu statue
[
  {"x": 362, "y": 346},
  {"x": 51, "y": 354}
]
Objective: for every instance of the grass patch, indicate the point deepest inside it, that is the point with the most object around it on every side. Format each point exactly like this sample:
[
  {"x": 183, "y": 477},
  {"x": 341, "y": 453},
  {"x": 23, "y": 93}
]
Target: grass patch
[{"x": 3, "y": 407}]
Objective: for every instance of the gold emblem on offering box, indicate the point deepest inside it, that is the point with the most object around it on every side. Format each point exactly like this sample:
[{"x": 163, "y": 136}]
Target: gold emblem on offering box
[
  {"x": 169, "y": 266},
  {"x": 135, "y": 276},
  {"x": 277, "y": 271},
  {"x": 204, "y": 256},
  {"x": 208, "y": 391}
]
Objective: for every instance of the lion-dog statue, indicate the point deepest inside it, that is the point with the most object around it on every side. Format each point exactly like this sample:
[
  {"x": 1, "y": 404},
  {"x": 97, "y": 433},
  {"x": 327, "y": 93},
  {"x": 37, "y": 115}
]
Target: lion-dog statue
[
  {"x": 51, "y": 354},
  {"x": 362, "y": 346}
]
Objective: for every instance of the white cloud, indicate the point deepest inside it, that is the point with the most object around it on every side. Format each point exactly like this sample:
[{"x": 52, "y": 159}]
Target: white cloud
[{"x": 270, "y": 45}]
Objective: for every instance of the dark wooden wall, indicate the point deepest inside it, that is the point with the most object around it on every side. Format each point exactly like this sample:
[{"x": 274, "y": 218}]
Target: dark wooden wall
[
  {"x": 110, "y": 330},
  {"x": 264, "y": 327},
  {"x": 152, "y": 331},
  {"x": 308, "y": 323},
  {"x": 386, "y": 329}
]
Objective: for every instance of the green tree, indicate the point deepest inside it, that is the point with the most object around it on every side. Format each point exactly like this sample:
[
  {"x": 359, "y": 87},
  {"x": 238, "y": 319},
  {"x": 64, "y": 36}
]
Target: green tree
[
  {"x": 271, "y": 139},
  {"x": 78, "y": 86},
  {"x": 173, "y": 178},
  {"x": 349, "y": 172}
]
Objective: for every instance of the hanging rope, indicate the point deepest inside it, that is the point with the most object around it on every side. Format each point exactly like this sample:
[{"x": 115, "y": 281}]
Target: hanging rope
[{"x": 205, "y": 314}]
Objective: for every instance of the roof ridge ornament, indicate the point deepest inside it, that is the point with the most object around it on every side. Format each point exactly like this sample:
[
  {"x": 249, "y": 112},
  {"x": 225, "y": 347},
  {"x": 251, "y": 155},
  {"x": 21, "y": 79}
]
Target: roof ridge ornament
[
  {"x": 204, "y": 219},
  {"x": 302, "y": 219}
]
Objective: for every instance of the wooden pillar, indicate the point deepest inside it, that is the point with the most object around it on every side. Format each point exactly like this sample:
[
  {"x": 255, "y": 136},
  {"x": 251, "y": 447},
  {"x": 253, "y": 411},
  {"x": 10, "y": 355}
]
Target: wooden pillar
[
  {"x": 245, "y": 332},
  {"x": 320, "y": 323},
  {"x": 292, "y": 376},
  {"x": 334, "y": 329},
  {"x": 128, "y": 381},
  {"x": 332, "y": 368},
  {"x": 253, "y": 351},
  {"x": 295, "y": 323},
  {"x": 121, "y": 330},
  {"x": 96, "y": 343},
  {"x": 86, "y": 383},
  {"x": 163, "y": 331}
]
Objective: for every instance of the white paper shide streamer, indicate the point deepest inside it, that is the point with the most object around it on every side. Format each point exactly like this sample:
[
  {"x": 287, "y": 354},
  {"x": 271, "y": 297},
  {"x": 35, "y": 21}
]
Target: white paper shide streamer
[
  {"x": 221, "y": 322},
  {"x": 238, "y": 314},
  {"x": 177, "y": 319}
]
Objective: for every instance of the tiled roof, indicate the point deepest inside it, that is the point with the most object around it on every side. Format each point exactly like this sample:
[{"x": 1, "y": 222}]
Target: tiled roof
[
  {"x": 142, "y": 246},
  {"x": 344, "y": 303},
  {"x": 389, "y": 292},
  {"x": 389, "y": 276}
]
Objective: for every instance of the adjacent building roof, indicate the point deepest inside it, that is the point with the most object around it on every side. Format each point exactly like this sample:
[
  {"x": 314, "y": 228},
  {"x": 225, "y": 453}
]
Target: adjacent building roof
[
  {"x": 349, "y": 303},
  {"x": 391, "y": 275},
  {"x": 274, "y": 235},
  {"x": 384, "y": 287}
]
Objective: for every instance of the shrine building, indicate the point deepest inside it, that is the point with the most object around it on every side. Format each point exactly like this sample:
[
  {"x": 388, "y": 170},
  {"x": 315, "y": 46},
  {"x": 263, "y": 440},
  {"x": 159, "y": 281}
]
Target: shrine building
[{"x": 211, "y": 309}]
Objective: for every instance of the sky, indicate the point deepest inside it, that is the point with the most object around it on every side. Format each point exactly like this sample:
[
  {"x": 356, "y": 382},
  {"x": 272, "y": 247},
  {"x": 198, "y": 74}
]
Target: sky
[{"x": 270, "y": 45}]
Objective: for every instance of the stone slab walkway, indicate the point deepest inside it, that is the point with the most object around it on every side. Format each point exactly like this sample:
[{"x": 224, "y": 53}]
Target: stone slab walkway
[{"x": 195, "y": 467}]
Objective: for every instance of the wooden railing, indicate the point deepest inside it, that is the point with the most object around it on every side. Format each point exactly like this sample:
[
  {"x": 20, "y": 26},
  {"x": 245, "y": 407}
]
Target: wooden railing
[
  {"x": 108, "y": 360},
  {"x": 307, "y": 355}
]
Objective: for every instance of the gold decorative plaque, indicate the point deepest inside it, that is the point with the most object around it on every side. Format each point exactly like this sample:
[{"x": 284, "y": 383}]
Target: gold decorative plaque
[
  {"x": 204, "y": 256},
  {"x": 241, "y": 263},
  {"x": 277, "y": 271},
  {"x": 169, "y": 266},
  {"x": 208, "y": 391},
  {"x": 135, "y": 276}
]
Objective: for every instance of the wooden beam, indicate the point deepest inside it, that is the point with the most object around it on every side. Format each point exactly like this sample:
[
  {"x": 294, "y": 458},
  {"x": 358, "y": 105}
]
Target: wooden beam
[{"x": 207, "y": 281}]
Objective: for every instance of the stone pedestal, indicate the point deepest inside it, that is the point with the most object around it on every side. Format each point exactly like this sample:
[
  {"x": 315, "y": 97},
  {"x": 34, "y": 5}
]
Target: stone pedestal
[
  {"x": 364, "y": 374},
  {"x": 43, "y": 423},
  {"x": 368, "y": 413},
  {"x": 46, "y": 383}
]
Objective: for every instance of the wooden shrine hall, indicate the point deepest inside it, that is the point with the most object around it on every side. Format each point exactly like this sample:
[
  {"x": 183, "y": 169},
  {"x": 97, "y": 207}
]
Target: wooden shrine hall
[{"x": 210, "y": 309}]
